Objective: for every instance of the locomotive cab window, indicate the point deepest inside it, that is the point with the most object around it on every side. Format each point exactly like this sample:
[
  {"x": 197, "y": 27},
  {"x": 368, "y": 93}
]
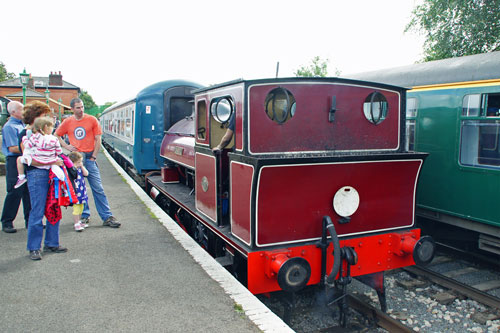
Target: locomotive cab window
[
  {"x": 280, "y": 105},
  {"x": 222, "y": 111},
  {"x": 202, "y": 120},
  {"x": 480, "y": 131},
  {"x": 375, "y": 108}
]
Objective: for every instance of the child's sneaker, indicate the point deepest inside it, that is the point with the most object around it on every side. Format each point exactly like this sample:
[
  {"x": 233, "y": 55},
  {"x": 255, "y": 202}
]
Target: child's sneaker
[
  {"x": 79, "y": 226},
  {"x": 20, "y": 182},
  {"x": 84, "y": 225}
]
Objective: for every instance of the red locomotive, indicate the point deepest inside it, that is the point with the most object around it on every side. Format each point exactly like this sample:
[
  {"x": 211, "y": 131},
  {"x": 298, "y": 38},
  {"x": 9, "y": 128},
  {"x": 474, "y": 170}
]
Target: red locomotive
[{"x": 314, "y": 186}]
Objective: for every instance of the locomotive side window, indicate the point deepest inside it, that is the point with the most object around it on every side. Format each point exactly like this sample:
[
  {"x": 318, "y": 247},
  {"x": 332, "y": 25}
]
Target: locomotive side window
[
  {"x": 202, "y": 120},
  {"x": 411, "y": 116},
  {"x": 222, "y": 109},
  {"x": 280, "y": 105},
  {"x": 480, "y": 135},
  {"x": 375, "y": 108}
]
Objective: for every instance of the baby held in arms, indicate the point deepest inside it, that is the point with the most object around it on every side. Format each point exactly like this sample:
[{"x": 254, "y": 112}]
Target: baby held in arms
[{"x": 40, "y": 146}]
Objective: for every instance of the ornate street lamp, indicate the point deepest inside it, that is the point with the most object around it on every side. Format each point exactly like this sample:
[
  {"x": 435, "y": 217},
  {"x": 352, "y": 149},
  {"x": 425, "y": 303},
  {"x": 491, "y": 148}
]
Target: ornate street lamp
[
  {"x": 60, "y": 101},
  {"x": 47, "y": 95},
  {"x": 24, "y": 78}
]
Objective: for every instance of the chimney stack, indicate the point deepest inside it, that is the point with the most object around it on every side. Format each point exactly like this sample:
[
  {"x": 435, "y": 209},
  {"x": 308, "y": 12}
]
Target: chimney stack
[{"x": 55, "y": 79}]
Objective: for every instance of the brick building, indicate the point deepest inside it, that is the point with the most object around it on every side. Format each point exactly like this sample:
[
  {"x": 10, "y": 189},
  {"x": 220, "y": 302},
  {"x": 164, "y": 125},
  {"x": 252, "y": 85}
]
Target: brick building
[{"x": 59, "y": 89}]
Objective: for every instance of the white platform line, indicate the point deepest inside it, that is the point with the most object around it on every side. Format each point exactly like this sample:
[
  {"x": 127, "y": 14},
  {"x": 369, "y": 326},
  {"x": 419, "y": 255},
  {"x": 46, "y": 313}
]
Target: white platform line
[{"x": 254, "y": 309}]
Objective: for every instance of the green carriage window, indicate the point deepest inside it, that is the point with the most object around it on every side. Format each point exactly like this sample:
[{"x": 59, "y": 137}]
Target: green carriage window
[
  {"x": 411, "y": 114},
  {"x": 471, "y": 105},
  {"x": 411, "y": 107},
  {"x": 493, "y": 105},
  {"x": 480, "y": 138}
]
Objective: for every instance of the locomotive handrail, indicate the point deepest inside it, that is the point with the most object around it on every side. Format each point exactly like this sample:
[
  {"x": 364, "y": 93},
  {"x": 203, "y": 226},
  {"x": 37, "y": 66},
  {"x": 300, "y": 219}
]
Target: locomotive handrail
[{"x": 179, "y": 134}]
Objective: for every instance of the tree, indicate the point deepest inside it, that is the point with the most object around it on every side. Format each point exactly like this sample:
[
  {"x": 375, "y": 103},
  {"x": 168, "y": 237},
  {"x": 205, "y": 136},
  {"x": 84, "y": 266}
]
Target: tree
[
  {"x": 4, "y": 75},
  {"x": 87, "y": 100},
  {"x": 317, "y": 68},
  {"x": 455, "y": 28}
]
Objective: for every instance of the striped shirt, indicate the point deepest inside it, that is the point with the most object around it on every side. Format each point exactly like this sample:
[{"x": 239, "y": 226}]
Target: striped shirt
[{"x": 44, "y": 149}]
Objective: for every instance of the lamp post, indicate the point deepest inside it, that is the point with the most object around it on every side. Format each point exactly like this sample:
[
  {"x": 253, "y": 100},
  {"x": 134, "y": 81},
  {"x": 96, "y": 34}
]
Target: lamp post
[
  {"x": 47, "y": 95},
  {"x": 60, "y": 101},
  {"x": 24, "y": 78}
]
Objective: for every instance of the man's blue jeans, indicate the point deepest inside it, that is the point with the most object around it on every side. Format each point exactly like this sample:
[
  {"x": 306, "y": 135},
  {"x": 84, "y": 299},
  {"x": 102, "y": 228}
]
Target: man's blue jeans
[
  {"x": 38, "y": 186},
  {"x": 94, "y": 180}
]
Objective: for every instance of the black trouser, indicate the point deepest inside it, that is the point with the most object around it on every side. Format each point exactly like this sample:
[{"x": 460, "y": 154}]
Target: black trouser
[{"x": 14, "y": 196}]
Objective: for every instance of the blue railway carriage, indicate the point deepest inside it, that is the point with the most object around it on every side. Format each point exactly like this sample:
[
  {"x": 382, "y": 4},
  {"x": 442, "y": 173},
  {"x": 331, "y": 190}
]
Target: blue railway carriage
[
  {"x": 453, "y": 113},
  {"x": 133, "y": 130}
]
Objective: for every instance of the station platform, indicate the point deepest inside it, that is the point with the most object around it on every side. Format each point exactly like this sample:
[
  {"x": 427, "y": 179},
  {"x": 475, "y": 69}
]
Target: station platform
[{"x": 146, "y": 276}]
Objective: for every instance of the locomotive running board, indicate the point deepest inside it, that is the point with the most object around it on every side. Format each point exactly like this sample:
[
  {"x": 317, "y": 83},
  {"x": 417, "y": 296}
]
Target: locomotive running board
[{"x": 181, "y": 195}]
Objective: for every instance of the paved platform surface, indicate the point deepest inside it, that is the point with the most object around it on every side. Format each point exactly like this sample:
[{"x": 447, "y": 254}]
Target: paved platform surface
[{"x": 147, "y": 276}]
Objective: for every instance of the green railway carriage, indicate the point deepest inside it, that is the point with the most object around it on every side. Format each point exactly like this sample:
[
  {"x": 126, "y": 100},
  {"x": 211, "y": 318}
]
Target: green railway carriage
[{"x": 453, "y": 113}]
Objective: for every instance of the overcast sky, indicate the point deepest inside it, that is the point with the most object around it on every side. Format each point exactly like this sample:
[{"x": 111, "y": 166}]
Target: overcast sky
[{"x": 113, "y": 49}]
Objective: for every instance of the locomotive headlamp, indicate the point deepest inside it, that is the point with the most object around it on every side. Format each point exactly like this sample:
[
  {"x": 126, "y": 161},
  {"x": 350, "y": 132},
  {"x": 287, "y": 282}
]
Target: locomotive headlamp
[
  {"x": 293, "y": 273},
  {"x": 346, "y": 201}
]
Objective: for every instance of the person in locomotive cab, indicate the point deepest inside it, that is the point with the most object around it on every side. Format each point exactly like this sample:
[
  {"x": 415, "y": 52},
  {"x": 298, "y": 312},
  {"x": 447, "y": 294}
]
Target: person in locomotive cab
[
  {"x": 84, "y": 133},
  {"x": 227, "y": 136}
]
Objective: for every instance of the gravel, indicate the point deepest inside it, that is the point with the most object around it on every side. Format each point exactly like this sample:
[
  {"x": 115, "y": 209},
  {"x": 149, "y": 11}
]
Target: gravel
[{"x": 415, "y": 307}]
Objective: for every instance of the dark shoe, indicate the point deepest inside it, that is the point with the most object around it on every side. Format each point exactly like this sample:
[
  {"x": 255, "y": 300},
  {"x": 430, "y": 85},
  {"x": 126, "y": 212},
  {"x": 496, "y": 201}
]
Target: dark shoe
[
  {"x": 9, "y": 230},
  {"x": 35, "y": 255},
  {"x": 85, "y": 220},
  {"x": 56, "y": 249},
  {"x": 111, "y": 222}
]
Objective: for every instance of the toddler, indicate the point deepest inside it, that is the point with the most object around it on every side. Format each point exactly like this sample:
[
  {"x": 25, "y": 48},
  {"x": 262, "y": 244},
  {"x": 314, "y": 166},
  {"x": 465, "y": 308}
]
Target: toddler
[
  {"x": 40, "y": 146},
  {"x": 80, "y": 189}
]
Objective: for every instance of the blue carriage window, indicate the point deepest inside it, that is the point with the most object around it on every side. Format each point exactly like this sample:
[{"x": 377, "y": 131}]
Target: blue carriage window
[{"x": 471, "y": 105}]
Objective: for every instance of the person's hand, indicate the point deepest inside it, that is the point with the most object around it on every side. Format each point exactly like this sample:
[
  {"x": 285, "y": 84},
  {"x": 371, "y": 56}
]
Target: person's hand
[
  {"x": 71, "y": 148},
  {"x": 59, "y": 162},
  {"x": 216, "y": 149}
]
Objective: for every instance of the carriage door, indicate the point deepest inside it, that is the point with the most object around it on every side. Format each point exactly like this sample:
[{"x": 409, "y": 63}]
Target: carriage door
[{"x": 221, "y": 109}]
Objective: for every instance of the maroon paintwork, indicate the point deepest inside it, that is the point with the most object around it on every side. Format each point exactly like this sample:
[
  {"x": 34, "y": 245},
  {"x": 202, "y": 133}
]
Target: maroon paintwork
[
  {"x": 309, "y": 129},
  {"x": 241, "y": 200},
  {"x": 292, "y": 199},
  {"x": 236, "y": 92},
  {"x": 206, "y": 200},
  {"x": 178, "y": 143}
]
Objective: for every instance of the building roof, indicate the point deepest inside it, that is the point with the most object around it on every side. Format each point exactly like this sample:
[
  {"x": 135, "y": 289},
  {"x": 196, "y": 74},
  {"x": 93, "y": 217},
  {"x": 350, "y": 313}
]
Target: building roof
[
  {"x": 38, "y": 82},
  {"x": 29, "y": 93},
  {"x": 35, "y": 94}
]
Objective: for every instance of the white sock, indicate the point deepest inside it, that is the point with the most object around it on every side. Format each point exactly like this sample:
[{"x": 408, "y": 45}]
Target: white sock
[{"x": 21, "y": 177}]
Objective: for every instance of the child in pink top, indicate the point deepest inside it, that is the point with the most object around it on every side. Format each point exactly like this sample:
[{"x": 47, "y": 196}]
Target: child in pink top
[{"x": 41, "y": 146}]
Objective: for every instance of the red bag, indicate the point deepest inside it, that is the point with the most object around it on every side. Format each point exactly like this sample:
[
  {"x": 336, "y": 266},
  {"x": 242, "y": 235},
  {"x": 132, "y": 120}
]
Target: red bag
[{"x": 65, "y": 193}]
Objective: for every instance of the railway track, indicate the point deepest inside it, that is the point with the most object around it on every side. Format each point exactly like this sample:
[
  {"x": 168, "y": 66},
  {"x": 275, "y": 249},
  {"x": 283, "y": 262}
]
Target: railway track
[{"x": 472, "y": 292}]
